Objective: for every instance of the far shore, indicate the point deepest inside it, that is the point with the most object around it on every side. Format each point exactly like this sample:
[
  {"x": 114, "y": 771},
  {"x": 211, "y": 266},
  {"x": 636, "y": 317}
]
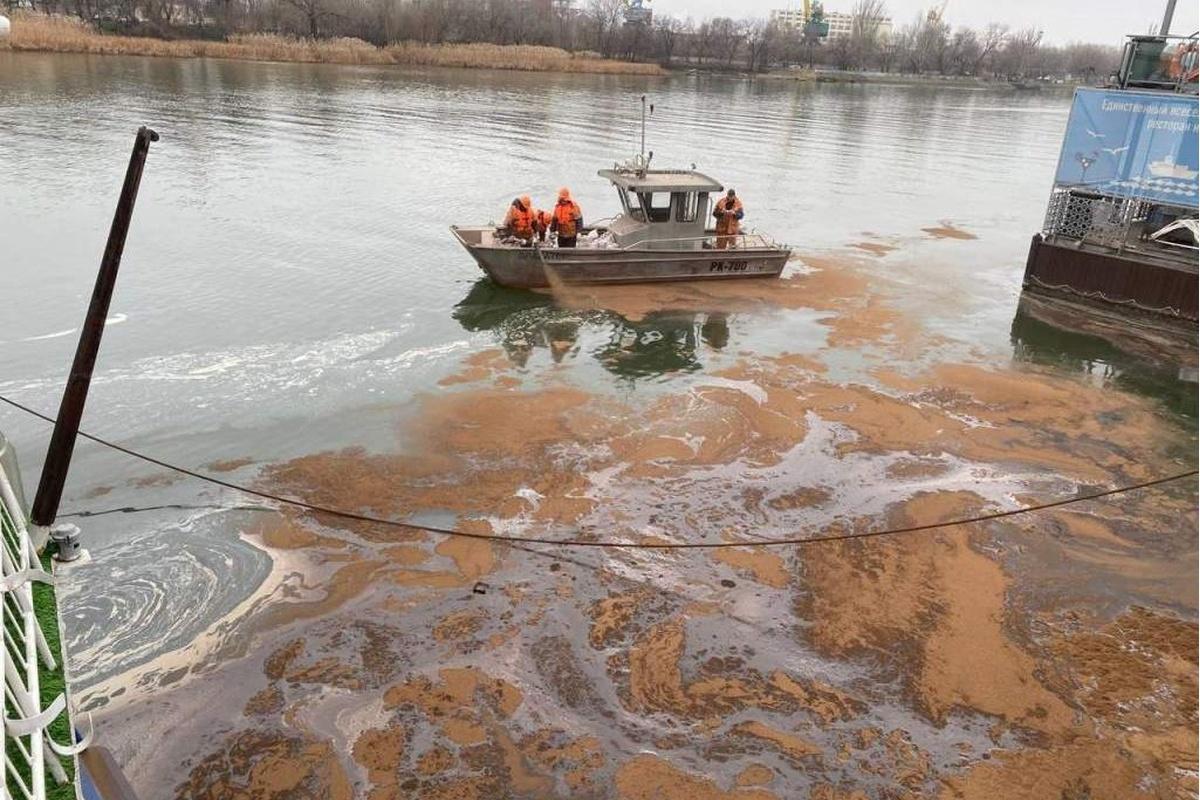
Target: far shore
[
  {"x": 62, "y": 34},
  {"x": 36, "y": 32}
]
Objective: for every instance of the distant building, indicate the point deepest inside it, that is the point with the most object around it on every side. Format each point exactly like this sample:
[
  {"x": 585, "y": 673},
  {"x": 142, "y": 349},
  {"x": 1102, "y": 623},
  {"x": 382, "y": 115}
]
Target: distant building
[
  {"x": 638, "y": 12},
  {"x": 788, "y": 17},
  {"x": 840, "y": 23}
]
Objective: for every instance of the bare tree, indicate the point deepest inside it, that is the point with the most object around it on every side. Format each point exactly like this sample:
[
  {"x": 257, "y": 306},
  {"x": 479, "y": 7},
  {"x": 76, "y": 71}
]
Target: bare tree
[
  {"x": 705, "y": 46},
  {"x": 606, "y": 18},
  {"x": 759, "y": 36},
  {"x": 866, "y": 19},
  {"x": 727, "y": 37},
  {"x": 841, "y": 51},
  {"x": 666, "y": 34},
  {"x": 1018, "y": 53},
  {"x": 993, "y": 40},
  {"x": 314, "y": 11},
  {"x": 963, "y": 52}
]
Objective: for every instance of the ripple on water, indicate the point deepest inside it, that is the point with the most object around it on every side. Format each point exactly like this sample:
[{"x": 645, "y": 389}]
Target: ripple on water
[{"x": 161, "y": 590}]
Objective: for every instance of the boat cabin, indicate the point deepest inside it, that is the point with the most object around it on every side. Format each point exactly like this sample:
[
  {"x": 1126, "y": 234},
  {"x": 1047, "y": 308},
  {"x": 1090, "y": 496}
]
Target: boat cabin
[{"x": 663, "y": 208}]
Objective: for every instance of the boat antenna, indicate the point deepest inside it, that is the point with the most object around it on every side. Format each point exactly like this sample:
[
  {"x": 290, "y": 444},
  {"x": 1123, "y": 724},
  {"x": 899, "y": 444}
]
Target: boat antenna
[{"x": 642, "y": 151}]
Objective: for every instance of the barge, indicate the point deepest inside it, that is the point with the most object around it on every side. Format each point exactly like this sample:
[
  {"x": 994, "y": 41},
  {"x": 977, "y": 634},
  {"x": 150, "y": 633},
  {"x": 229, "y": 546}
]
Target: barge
[{"x": 1120, "y": 226}]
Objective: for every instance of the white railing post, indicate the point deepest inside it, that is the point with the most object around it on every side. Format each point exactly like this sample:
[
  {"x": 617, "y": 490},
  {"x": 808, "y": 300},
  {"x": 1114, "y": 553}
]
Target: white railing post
[{"x": 23, "y": 653}]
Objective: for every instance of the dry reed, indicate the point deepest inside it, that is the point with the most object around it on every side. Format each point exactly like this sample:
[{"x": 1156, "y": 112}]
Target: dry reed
[{"x": 62, "y": 34}]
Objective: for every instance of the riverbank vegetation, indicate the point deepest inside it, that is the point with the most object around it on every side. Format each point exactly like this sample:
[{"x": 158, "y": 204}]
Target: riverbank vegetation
[
  {"x": 610, "y": 36},
  {"x": 67, "y": 34}
]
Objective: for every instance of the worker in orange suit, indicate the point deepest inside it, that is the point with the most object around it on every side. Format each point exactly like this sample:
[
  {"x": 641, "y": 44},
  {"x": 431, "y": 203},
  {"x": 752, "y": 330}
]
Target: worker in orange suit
[
  {"x": 519, "y": 221},
  {"x": 541, "y": 222},
  {"x": 728, "y": 212},
  {"x": 566, "y": 219}
]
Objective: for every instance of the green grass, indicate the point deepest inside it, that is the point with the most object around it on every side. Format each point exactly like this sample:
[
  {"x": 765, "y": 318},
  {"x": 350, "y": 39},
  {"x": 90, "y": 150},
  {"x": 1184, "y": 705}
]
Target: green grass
[{"x": 54, "y": 683}]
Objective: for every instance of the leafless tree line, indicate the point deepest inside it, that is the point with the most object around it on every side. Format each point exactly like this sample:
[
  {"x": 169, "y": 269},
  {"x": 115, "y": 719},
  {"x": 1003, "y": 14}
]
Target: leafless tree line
[{"x": 927, "y": 45}]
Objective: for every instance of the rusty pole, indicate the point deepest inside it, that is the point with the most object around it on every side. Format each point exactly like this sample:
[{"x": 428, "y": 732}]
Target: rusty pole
[{"x": 70, "y": 411}]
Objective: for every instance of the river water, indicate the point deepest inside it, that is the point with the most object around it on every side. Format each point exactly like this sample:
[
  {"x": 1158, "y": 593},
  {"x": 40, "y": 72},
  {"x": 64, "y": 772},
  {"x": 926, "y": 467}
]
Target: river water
[{"x": 290, "y": 290}]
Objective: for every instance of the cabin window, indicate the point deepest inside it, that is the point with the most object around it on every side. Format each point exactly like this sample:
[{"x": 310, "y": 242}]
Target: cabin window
[
  {"x": 687, "y": 206},
  {"x": 657, "y": 204},
  {"x": 632, "y": 204}
]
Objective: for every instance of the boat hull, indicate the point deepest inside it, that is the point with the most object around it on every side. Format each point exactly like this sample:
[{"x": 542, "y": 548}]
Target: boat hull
[{"x": 537, "y": 267}]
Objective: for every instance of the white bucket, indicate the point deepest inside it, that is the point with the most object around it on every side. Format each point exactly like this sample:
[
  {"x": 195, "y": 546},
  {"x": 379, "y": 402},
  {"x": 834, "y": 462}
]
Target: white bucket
[{"x": 5, "y": 27}]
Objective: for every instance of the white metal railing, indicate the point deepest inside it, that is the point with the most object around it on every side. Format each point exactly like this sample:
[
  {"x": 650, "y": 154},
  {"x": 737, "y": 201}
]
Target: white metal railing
[
  {"x": 742, "y": 240},
  {"x": 29, "y": 752}
]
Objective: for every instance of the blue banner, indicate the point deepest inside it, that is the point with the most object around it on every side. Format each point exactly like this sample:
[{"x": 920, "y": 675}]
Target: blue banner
[{"x": 1133, "y": 144}]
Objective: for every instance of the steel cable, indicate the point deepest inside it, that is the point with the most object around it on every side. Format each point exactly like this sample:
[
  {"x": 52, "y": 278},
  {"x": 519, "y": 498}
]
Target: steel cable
[{"x": 784, "y": 542}]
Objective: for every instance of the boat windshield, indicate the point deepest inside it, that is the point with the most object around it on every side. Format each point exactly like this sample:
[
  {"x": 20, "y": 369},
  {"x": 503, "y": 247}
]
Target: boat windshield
[
  {"x": 632, "y": 205},
  {"x": 661, "y": 206},
  {"x": 657, "y": 205}
]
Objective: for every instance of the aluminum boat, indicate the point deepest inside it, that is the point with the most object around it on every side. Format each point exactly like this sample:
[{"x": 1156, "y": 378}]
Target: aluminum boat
[{"x": 661, "y": 234}]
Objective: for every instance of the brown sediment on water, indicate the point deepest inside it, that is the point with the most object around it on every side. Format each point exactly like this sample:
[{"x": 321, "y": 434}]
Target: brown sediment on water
[
  {"x": 804, "y": 497},
  {"x": 801, "y": 360},
  {"x": 474, "y": 753},
  {"x": 656, "y": 683},
  {"x": 1135, "y": 671},
  {"x": 788, "y": 744},
  {"x": 477, "y": 367},
  {"x": 463, "y": 461},
  {"x": 908, "y": 763},
  {"x": 908, "y": 468},
  {"x": 633, "y": 651},
  {"x": 947, "y": 230},
  {"x": 826, "y": 791},
  {"x": 1085, "y": 768},
  {"x": 287, "y": 532},
  {"x": 268, "y": 701},
  {"x": 765, "y": 566},
  {"x": 158, "y": 480},
  {"x": 612, "y": 614},
  {"x": 932, "y": 609},
  {"x": 268, "y": 765},
  {"x": 64, "y": 34},
  {"x": 831, "y": 282},
  {"x": 754, "y": 775},
  {"x": 877, "y": 249},
  {"x": 380, "y": 752},
  {"x": 650, "y": 778},
  {"x": 343, "y": 585},
  {"x": 458, "y": 625},
  {"x": 578, "y": 760},
  {"x": 228, "y": 464},
  {"x": 473, "y": 558}
]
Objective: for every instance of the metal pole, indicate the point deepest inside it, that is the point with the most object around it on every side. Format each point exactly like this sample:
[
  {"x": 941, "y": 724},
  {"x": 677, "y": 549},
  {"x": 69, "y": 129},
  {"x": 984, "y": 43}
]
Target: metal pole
[
  {"x": 643, "y": 149},
  {"x": 70, "y": 411},
  {"x": 1165, "y": 30}
]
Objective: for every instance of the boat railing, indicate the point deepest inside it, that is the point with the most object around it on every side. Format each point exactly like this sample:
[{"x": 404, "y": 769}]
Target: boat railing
[
  {"x": 741, "y": 241},
  {"x": 1088, "y": 218},
  {"x": 29, "y": 752}
]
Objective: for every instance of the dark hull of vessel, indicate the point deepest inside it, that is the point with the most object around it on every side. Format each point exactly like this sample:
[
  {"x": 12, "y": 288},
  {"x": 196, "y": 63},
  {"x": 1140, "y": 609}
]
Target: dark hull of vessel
[{"x": 1111, "y": 278}]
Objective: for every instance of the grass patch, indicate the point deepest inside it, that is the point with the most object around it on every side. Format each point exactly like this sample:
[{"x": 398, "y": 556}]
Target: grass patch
[{"x": 64, "y": 34}]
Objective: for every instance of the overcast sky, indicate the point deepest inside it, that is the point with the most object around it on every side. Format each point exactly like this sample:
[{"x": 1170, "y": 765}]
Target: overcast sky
[{"x": 1102, "y": 21}]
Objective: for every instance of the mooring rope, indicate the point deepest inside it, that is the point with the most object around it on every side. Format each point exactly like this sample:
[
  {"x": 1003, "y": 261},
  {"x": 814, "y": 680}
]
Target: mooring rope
[{"x": 642, "y": 545}]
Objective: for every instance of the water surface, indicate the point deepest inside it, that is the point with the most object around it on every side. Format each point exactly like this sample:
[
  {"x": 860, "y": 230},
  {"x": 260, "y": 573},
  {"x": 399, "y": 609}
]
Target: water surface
[{"x": 290, "y": 288}]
